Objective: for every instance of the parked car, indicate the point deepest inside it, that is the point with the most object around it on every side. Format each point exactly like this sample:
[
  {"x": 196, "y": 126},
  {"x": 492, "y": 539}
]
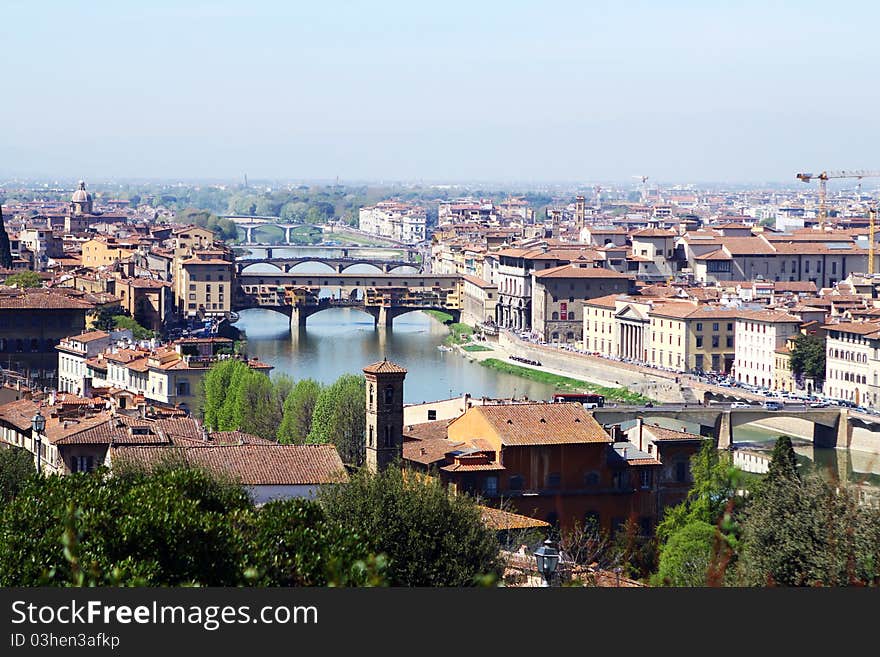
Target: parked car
[
  {"x": 820, "y": 404},
  {"x": 740, "y": 405},
  {"x": 772, "y": 405}
]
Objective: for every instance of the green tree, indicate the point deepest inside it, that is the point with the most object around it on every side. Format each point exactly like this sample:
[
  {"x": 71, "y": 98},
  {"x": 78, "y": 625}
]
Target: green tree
[
  {"x": 216, "y": 384},
  {"x": 808, "y": 356},
  {"x": 781, "y": 530},
  {"x": 229, "y": 415},
  {"x": 25, "y": 279},
  {"x": 299, "y": 406},
  {"x": 339, "y": 418},
  {"x": 712, "y": 501},
  {"x": 255, "y": 407},
  {"x": 5, "y": 248},
  {"x": 170, "y": 527},
  {"x": 16, "y": 467},
  {"x": 137, "y": 331},
  {"x": 430, "y": 537},
  {"x": 687, "y": 555}
]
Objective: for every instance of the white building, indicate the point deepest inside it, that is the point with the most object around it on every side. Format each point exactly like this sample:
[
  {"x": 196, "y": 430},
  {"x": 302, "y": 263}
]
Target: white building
[
  {"x": 74, "y": 351},
  {"x": 759, "y": 333},
  {"x": 402, "y": 222}
]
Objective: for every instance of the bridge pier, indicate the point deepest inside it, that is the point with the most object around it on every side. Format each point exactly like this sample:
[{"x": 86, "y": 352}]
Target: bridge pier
[
  {"x": 339, "y": 267},
  {"x": 837, "y": 436},
  {"x": 724, "y": 430},
  {"x": 287, "y": 231},
  {"x": 385, "y": 317},
  {"x": 268, "y": 253},
  {"x": 298, "y": 317}
]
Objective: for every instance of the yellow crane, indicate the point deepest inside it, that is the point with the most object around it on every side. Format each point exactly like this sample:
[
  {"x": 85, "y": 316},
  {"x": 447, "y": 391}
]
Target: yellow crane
[{"x": 823, "y": 179}]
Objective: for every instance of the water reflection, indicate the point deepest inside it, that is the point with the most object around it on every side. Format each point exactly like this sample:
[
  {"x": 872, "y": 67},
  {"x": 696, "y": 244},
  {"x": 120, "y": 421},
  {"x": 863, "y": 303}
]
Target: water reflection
[{"x": 344, "y": 340}]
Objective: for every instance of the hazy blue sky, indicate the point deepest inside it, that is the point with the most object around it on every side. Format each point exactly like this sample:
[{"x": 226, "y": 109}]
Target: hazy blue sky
[{"x": 576, "y": 91}]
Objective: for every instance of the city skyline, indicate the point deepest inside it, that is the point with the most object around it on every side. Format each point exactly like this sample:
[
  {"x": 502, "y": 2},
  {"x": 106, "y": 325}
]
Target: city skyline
[{"x": 497, "y": 92}]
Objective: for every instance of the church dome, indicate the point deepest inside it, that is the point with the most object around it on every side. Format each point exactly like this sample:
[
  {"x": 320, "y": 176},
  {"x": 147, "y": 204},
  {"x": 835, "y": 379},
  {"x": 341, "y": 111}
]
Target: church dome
[{"x": 81, "y": 195}]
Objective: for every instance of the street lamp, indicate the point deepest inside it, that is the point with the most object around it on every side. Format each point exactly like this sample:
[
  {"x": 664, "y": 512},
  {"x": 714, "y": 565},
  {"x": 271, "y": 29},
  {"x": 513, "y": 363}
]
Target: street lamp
[
  {"x": 547, "y": 558},
  {"x": 38, "y": 425}
]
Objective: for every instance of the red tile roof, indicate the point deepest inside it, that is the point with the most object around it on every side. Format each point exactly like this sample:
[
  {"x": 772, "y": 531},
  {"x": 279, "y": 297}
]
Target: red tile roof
[
  {"x": 541, "y": 424},
  {"x": 253, "y": 465}
]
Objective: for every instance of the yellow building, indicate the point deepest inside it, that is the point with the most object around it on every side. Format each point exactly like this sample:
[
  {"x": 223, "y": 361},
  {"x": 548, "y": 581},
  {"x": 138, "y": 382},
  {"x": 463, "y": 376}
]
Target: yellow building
[
  {"x": 102, "y": 251},
  {"x": 203, "y": 284}
]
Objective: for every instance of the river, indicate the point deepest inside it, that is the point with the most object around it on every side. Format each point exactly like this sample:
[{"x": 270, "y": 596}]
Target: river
[{"x": 343, "y": 340}]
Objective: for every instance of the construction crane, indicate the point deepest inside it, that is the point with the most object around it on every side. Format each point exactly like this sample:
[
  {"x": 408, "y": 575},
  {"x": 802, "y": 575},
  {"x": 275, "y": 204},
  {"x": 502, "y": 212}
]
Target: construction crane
[
  {"x": 872, "y": 214},
  {"x": 823, "y": 179},
  {"x": 644, "y": 187}
]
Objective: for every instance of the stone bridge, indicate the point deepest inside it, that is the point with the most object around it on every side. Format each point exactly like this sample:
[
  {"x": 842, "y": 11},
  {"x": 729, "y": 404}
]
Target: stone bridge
[
  {"x": 832, "y": 427},
  {"x": 339, "y": 265},
  {"x": 383, "y": 296}
]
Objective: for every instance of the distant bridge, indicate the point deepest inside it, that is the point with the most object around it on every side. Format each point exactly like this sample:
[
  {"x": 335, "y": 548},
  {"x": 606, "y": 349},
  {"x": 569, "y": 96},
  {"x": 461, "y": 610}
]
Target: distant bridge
[
  {"x": 339, "y": 265},
  {"x": 832, "y": 427},
  {"x": 383, "y": 296},
  {"x": 250, "y": 224}
]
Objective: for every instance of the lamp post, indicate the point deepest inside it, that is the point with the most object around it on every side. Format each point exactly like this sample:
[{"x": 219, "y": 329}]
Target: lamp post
[
  {"x": 38, "y": 425},
  {"x": 547, "y": 558}
]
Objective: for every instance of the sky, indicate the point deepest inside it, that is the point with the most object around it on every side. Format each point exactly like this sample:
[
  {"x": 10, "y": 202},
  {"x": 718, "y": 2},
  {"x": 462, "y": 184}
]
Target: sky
[{"x": 452, "y": 91}]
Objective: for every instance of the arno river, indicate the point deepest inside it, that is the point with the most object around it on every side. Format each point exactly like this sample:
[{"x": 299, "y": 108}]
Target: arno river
[{"x": 343, "y": 340}]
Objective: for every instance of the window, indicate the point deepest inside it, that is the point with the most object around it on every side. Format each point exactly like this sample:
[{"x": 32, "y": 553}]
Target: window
[
  {"x": 729, "y": 341},
  {"x": 646, "y": 477},
  {"x": 619, "y": 480},
  {"x": 699, "y": 326},
  {"x": 715, "y": 326},
  {"x": 432, "y": 415},
  {"x": 699, "y": 341},
  {"x": 183, "y": 388},
  {"x": 715, "y": 341},
  {"x": 371, "y": 437},
  {"x": 554, "y": 480},
  {"x": 730, "y": 326},
  {"x": 389, "y": 394},
  {"x": 681, "y": 471},
  {"x": 591, "y": 479},
  {"x": 82, "y": 464},
  {"x": 490, "y": 485},
  {"x": 515, "y": 482},
  {"x": 389, "y": 441}
]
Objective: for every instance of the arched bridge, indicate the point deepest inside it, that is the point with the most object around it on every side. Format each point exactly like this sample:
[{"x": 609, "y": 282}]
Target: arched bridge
[
  {"x": 384, "y": 296},
  {"x": 339, "y": 265},
  {"x": 832, "y": 427}
]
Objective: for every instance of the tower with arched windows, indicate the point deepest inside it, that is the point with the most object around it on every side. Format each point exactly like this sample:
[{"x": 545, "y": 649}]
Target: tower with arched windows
[{"x": 384, "y": 414}]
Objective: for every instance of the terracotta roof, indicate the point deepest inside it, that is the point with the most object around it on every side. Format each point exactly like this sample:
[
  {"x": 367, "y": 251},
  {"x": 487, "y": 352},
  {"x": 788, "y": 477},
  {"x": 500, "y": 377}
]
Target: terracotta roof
[
  {"x": 653, "y": 232},
  {"x": 118, "y": 430},
  {"x": 237, "y": 438},
  {"x": 253, "y": 465},
  {"x": 384, "y": 367},
  {"x": 541, "y": 424},
  {"x": 500, "y": 520},
  {"x": 89, "y": 336},
  {"x": 39, "y": 299},
  {"x": 664, "y": 434},
  {"x": 430, "y": 450},
  {"x": 573, "y": 271},
  {"x": 426, "y": 430},
  {"x": 794, "y": 286},
  {"x": 472, "y": 467},
  {"x": 719, "y": 254},
  {"x": 772, "y": 316}
]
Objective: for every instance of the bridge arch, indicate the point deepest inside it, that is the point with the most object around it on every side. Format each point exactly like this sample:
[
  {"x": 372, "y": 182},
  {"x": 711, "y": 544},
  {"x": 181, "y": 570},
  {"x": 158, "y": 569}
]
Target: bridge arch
[{"x": 248, "y": 268}]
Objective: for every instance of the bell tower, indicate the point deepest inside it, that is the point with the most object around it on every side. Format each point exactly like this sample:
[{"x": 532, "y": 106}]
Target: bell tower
[{"x": 384, "y": 414}]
